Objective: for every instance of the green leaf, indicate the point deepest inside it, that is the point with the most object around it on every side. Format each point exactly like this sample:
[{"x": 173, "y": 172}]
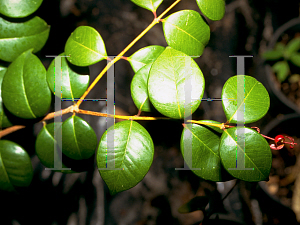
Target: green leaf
[
  {"x": 166, "y": 84},
  {"x": 186, "y": 31},
  {"x": 73, "y": 84},
  {"x": 16, "y": 38},
  {"x": 255, "y": 98},
  {"x": 279, "y": 46},
  {"x": 15, "y": 166},
  {"x": 25, "y": 91},
  {"x": 151, "y": 5},
  {"x": 282, "y": 70},
  {"x": 79, "y": 138},
  {"x": 295, "y": 59},
  {"x": 85, "y": 47},
  {"x": 202, "y": 151},
  {"x": 139, "y": 89},
  {"x": 212, "y": 127},
  {"x": 20, "y": 8},
  {"x": 257, "y": 154},
  {"x": 292, "y": 47},
  {"x": 4, "y": 122},
  {"x": 44, "y": 147},
  {"x": 144, "y": 56},
  {"x": 212, "y": 9},
  {"x": 134, "y": 152},
  {"x": 272, "y": 55},
  {"x": 197, "y": 203}
]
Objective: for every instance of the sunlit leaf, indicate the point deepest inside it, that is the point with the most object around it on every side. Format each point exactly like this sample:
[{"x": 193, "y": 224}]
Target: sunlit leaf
[
  {"x": 16, "y": 38},
  {"x": 85, "y": 47},
  {"x": 186, "y": 31},
  {"x": 151, "y": 5},
  {"x": 212, "y": 9},
  {"x": 25, "y": 91},
  {"x": 255, "y": 99},
  {"x": 19, "y": 8},
  {"x": 133, "y": 153}
]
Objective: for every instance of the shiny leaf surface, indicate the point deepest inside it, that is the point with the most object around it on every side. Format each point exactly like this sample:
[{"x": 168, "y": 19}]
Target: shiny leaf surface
[
  {"x": 73, "y": 83},
  {"x": 151, "y": 5},
  {"x": 145, "y": 56},
  {"x": 256, "y": 99},
  {"x": 20, "y": 8},
  {"x": 79, "y": 138},
  {"x": 25, "y": 91},
  {"x": 85, "y": 47},
  {"x": 139, "y": 88},
  {"x": 133, "y": 152},
  {"x": 15, "y": 166},
  {"x": 186, "y": 31},
  {"x": 4, "y": 122},
  {"x": 16, "y": 38},
  {"x": 257, "y": 155},
  {"x": 212, "y": 9},
  {"x": 166, "y": 84}
]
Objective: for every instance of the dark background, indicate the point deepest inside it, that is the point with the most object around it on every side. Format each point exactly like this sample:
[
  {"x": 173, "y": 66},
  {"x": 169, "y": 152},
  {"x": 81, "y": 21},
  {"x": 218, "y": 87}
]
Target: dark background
[{"x": 83, "y": 198}]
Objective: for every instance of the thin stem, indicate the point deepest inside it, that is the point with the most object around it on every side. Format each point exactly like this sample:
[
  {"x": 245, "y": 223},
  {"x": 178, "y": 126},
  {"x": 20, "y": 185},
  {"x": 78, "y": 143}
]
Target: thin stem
[
  {"x": 81, "y": 111},
  {"x": 10, "y": 130},
  {"x": 118, "y": 57},
  {"x": 222, "y": 126}
]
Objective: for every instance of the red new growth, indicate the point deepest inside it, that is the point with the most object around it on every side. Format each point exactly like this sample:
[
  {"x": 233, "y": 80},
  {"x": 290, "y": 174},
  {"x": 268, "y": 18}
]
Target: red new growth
[{"x": 279, "y": 140}]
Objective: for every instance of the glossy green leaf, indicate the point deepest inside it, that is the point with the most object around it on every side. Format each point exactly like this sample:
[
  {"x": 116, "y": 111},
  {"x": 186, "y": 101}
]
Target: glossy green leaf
[
  {"x": 292, "y": 47},
  {"x": 257, "y": 155},
  {"x": 151, "y": 5},
  {"x": 212, "y": 127},
  {"x": 144, "y": 56},
  {"x": 295, "y": 59},
  {"x": 15, "y": 166},
  {"x": 85, "y": 47},
  {"x": 4, "y": 122},
  {"x": 212, "y": 9},
  {"x": 133, "y": 152},
  {"x": 197, "y": 203},
  {"x": 281, "y": 69},
  {"x": 44, "y": 147},
  {"x": 256, "y": 99},
  {"x": 73, "y": 84},
  {"x": 19, "y": 8},
  {"x": 79, "y": 138},
  {"x": 166, "y": 84},
  {"x": 25, "y": 91},
  {"x": 139, "y": 88},
  {"x": 186, "y": 31},
  {"x": 16, "y": 38},
  {"x": 203, "y": 151}
]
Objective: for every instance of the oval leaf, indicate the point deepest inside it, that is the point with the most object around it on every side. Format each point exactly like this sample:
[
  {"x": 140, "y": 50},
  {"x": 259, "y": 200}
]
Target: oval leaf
[
  {"x": 257, "y": 155},
  {"x": 16, "y": 38},
  {"x": 212, "y": 9},
  {"x": 20, "y": 8},
  {"x": 25, "y": 91},
  {"x": 44, "y": 147},
  {"x": 79, "y": 138},
  {"x": 4, "y": 122},
  {"x": 134, "y": 152},
  {"x": 200, "y": 148},
  {"x": 254, "y": 96},
  {"x": 145, "y": 56},
  {"x": 151, "y": 5},
  {"x": 139, "y": 89},
  {"x": 186, "y": 31},
  {"x": 73, "y": 84},
  {"x": 166, "y": 84},
  {"x": 15, "y": 166},
  {"x": 85, "y": 47}
]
